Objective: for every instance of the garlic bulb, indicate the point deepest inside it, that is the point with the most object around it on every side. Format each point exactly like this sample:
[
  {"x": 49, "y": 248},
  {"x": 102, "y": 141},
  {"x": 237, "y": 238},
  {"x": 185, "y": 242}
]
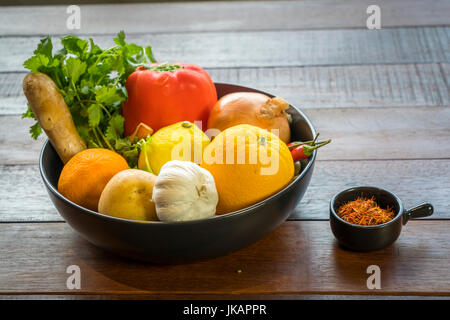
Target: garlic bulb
[{"x": 184, "y": 191}]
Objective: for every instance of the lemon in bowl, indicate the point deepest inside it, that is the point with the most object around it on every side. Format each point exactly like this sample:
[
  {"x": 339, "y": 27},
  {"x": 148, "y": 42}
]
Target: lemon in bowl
[{"x": 179, "y": 141}]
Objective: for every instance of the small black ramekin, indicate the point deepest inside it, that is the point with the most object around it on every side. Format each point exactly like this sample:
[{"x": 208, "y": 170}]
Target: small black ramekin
[{"x": 370, "y": 238}]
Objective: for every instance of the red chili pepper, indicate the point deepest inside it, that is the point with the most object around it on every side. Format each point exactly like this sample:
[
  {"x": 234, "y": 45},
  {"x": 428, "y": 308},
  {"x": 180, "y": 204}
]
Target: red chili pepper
[
  {"x": 305, "y": 151},
  {"x": 292, "y": 145}
]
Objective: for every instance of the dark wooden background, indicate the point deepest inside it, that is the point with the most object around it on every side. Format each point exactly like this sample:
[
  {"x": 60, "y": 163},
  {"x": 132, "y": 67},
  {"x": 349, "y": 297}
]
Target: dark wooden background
[{"x": 381, "y": 95}]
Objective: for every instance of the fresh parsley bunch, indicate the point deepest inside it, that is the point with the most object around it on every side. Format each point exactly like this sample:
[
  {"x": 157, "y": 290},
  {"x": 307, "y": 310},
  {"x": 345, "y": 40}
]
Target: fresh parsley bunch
[{"x": 92, "y": 82}]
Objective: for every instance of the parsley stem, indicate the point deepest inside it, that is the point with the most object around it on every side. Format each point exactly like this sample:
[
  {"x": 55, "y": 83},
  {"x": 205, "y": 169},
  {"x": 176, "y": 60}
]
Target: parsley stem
[
  {"x": 106, "y": 110},
  {"x": 97, "y": 138},
  {"x": 104, "y": 138},
  {"x": 76, "y": 91},
  {"x": 57, "y": 80},
  {"x": 103, "y": 53},
  {"x": 99, "y": 80},
  {"x": 93, "y": 101},
  {"x": 106, "y": 52}
]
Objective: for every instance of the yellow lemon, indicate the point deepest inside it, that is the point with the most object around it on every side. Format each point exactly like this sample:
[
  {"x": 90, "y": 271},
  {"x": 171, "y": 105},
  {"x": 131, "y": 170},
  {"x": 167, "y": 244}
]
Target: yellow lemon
[{"x": 179, "y": 141}]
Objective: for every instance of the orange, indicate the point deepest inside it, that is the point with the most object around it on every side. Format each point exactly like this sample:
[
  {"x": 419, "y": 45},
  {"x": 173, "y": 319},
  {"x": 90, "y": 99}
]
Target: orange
[
  {"x": 86, "y": 174},
  {"x": 248, "y": 164}
]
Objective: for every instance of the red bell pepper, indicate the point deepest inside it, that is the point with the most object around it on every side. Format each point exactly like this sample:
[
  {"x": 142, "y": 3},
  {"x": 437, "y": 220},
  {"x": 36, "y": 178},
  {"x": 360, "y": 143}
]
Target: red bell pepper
[{"x": 164, "y": 94}]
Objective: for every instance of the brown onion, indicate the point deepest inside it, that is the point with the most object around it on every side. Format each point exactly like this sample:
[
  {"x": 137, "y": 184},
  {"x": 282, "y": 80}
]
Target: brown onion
[{"x": 251, "y": 108}]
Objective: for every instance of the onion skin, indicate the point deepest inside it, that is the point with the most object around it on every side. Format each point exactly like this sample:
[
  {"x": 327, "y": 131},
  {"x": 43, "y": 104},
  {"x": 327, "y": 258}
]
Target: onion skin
[{"x": 252, "y": 108}]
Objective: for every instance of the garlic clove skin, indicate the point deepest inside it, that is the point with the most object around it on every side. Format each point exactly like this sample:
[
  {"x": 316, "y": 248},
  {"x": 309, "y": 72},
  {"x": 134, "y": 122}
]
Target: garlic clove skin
[{"x": 184, "y": 191}]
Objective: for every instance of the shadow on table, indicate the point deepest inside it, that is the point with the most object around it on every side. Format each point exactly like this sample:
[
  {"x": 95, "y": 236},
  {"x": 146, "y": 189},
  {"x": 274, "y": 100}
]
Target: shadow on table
[
  {"x": 259, "y": 268},
  {"x": 394, "y": 262}
]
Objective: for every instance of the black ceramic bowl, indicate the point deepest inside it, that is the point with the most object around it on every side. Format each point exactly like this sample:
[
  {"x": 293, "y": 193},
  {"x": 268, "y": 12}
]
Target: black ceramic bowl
[
  {"x": 174, "y": 242},
  {"x": 370, "y": 238}
]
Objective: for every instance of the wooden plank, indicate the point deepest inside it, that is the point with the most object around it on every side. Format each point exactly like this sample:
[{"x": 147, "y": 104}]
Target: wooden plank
[
  {"x": 24, "y": 198},
  {"x": 404, "y": 85},
  {"x": 16, "y": 144},
  {"x": 414, "y": 181},
  {"x": 51, "y": 296},
  {"x": 272, "y": 48},
  {"x": 357, "y": 133},
  {"x": 12, "y": 99},
  {"x": 383, "y": 133},
  {"x": 297, "y": 258},
  {"x": 221, "y": 16}
]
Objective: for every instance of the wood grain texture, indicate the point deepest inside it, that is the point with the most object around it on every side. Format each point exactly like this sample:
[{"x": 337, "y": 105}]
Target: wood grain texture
[
  {"x": 359, "y": 86},
  {"x": 271, "y": 48},
  {"x": 414, "y": 181},
  {"x": 404, "y": 85},
  {"x": 381, "y": 95},
  {"x": 266, "y": 296},
  {"x": 221, "y": 16},
  {"x": 383, "y": 133},
  {"x": 24, "y": 197},
  {"x": 16, "y": 144},
  {"x": 297, "y": 258},
  {"x": 357, "y": 133}
]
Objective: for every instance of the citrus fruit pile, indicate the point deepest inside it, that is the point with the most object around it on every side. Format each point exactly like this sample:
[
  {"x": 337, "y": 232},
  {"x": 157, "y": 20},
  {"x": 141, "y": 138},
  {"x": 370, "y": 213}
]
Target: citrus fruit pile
[{"x": 245, "y": 163}]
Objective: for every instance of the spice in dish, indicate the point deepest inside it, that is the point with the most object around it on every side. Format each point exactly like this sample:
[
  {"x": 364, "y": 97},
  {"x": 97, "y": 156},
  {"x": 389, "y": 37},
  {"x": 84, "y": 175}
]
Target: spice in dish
[{"x": 365, "y": 212}]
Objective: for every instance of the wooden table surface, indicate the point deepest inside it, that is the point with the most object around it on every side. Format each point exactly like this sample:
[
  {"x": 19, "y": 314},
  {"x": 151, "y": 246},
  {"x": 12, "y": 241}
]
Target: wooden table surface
[{"x": 381, "y": 95}]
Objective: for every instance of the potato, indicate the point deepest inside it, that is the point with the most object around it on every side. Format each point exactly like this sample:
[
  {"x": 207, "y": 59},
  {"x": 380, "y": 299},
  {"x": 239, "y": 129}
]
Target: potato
[
  {"x": 53, "y": 115},
  {"x": 128, "y": 195}
]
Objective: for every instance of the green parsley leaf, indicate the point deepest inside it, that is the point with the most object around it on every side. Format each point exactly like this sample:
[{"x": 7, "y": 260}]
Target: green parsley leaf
[
  {"x": 95, "y": 115},
  {"x": 35, "y": 130},
  {"x": 108, "y": 95},
  {"x": 75, "y": 45},
  {"x": 92, "y": 83},
  {"x": 35, "y": 63},
  {"x": 94, "y": 49},
  {"x": 129, "y": 150},
  {"x": 120, "y": 39},
  {"x": 29, "y": 114},
  {"x": 115, "y": 127},
  {"x": 83, "y": 131},
  {"x": 75, "y": 68},
  {"x": 45, "y": 47}
]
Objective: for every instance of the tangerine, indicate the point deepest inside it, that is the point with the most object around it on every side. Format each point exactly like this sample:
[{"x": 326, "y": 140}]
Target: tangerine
[{"x": 86, "y": 174}]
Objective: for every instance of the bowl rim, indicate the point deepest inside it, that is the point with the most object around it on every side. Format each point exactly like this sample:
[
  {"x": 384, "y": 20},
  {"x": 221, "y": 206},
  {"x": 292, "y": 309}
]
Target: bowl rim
[
  {"x": 229, "y": 215},
  {"x": 398, "y": 214}
]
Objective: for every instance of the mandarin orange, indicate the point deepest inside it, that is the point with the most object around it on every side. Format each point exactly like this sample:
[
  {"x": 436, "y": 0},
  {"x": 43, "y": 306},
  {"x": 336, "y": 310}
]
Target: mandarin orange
[{"x": 86, "y": 174}]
